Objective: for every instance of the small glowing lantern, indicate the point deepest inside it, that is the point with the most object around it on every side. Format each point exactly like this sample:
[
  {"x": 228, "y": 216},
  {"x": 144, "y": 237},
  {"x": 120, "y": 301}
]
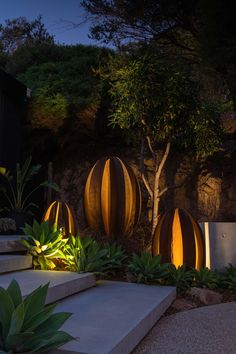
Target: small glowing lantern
[
  {"x": 59, "y": 213},
  {"x": 112, "y": 197},
  {"x": 178, "y": 238}
]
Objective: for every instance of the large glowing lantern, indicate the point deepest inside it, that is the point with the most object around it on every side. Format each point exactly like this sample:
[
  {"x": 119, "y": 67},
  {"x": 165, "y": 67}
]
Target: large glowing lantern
[
  {"x": 60, "y": 213},
  {"x": 112, "y": 197},
  {"x": 178, "y": 238}
]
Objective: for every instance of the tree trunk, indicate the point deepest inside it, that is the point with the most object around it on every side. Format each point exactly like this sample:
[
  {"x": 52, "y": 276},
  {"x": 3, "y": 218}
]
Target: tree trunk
[{"x": 156, "y": 189}]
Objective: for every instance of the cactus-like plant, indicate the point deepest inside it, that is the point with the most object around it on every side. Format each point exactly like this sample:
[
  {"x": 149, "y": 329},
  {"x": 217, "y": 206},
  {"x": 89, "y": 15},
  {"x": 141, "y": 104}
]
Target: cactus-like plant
[{"x": 26, "y": 325}]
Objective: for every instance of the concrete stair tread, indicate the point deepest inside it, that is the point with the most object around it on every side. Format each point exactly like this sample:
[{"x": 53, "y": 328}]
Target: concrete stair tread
[
  {"x": 61, "y": 284},
  {"x": 11, "y": 263},
  {"x": 10, "y": 243},
  {"x": 113, "y": 317}
]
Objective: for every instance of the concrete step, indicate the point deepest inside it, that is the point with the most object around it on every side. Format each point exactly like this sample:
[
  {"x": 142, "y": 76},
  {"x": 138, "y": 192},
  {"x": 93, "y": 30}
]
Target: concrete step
[
  {"x": 12, "y": 263},
  {"x": 61, "y": 284},
  {"x": 10, "y": 243},
  {"x": 113, "y": 317}
]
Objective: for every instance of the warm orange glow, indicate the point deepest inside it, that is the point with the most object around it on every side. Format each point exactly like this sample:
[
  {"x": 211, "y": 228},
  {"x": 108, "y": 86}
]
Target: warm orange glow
[
  {"x": 112, "y": 197},
  {"x": 177, "y": 241},
  {"x": 59, "y": 213},
  {"x": 178, "y": 238}
]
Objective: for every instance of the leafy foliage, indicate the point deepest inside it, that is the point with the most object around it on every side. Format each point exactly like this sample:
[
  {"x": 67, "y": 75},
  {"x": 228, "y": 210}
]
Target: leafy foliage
[
  {"x": 15, "y": 192},
  {"x": 27, "y": 326},
  {"x": 229, "y": 277},
  {"x": 147, "y": 269},
  {"x": 44, "y": 243},
  {"x": 159, "y": 99},
  {"x": 201, "y": 32},
  {"x": 115, "y": 257},
  {"x": 180, "y": 277},
  {"x": 19, "y": 31},
  {"x": 86, "y": 255},
  {"x": 65, "y": 87},
  {"x": 205, "y": 278}
]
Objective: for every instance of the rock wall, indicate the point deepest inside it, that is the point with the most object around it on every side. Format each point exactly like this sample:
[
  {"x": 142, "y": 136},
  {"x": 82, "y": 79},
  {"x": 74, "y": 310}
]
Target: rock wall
[{"x": 208, "y": 187}]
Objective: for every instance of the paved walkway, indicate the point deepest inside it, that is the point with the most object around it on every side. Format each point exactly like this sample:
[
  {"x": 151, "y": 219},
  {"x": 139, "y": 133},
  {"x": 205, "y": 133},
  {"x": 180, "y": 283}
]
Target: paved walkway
[{"x": 205, "y": 330}]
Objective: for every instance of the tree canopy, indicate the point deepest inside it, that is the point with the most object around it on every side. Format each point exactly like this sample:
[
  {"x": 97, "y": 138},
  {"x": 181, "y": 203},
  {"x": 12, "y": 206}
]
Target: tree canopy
[
  {"x": 19, "y": 31},
  {"x": 201, "y": 31}
]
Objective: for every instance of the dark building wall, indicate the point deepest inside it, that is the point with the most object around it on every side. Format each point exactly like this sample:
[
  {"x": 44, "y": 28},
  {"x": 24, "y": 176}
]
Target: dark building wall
[{"x": 12, "y": 107}]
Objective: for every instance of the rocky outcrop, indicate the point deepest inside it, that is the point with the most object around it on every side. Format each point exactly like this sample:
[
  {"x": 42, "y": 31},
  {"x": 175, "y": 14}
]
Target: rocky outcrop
[{"x": 207, "y": 187}]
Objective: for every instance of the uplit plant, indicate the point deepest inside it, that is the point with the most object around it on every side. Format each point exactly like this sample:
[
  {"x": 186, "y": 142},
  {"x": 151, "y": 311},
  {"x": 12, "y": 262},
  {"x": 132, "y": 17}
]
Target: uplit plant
[
  {"x": 27, "y": 325},
  {"x": 179, "y": 277},
  {"x": 146, "y": 268},
  {"x": 84, "y": 255},
  {"x": 205, "y": 278},
  {"x": 44, "y": 243}
]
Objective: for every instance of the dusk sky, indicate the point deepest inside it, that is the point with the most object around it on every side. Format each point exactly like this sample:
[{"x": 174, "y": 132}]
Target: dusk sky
[{"x": 56, "y": 16}]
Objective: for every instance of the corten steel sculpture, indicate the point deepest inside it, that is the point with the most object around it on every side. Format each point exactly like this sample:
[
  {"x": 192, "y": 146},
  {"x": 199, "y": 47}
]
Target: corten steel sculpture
[
  {"x": 59, "y": 213},
  {"x": 112, "y": 197},
  {"x": 178, "y": 238}
]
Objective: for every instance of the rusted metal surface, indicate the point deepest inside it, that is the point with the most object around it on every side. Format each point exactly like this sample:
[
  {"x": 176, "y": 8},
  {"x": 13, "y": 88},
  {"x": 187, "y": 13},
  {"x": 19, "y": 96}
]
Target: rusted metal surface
[
  {"x": 59, "y": 213},
  {"x": 178, "y": 238},
  {"x": 112, "y": 198}
]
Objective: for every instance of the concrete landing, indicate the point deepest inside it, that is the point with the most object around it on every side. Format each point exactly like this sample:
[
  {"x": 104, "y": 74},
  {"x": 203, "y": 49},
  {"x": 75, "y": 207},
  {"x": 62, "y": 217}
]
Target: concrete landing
[
  {"x": 10, "y": 243},
  {"x": 12, "y": 263},
  {"x": 113, "y": 317},
  {"x": 62, "y": 284}
]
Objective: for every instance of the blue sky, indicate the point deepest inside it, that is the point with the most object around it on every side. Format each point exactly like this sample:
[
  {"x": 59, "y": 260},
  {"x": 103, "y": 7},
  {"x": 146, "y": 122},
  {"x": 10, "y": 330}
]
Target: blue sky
[{"x": 57, "y": 15}]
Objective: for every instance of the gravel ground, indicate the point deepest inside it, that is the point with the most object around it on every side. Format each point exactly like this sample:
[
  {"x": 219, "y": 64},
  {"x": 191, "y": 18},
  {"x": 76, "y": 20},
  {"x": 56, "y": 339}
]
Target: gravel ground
[{"x": 205, "y": 330}]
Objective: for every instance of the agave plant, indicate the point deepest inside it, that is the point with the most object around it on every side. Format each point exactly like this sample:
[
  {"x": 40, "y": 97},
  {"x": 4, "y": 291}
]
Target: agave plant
[
  {"x": 44, "y": 243},
  {"x": 205, "y": 278},
  {"x": 146, "y": 268},
  {"x": 180, "y": 277},
  {"x": 115, "y": 257},
  {"x": 85, "y": 255},
  {"x": 27, "y": 326}
]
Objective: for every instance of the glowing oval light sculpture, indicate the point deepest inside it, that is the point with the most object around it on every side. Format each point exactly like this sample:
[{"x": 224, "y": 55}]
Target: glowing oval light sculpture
[
  {"x": 112, "y": 197},
  {"x": 60, "y": 213},
  {"x": 178, "y": 238}
]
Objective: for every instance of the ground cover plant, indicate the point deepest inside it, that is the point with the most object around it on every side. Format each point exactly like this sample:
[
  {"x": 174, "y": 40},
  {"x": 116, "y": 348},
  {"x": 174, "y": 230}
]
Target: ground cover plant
[{"x": 27, "y": 325}]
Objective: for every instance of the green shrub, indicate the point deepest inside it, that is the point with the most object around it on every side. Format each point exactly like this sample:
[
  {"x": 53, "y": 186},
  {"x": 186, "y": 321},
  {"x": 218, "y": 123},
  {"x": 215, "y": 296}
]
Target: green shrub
[
  {"x": 146, "y": 268},
  {"x": 27, "y": 326},
  {"x": 15, "y": 191},
  {"x": 179, "y": 277},
  {"x": 205, "y": 278},
  {"x": 44, "y": 243},
  {"x": 115, "y": 258},
  {"x": 86, "y": 255},
  {"x": 229, "y": 277}
]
